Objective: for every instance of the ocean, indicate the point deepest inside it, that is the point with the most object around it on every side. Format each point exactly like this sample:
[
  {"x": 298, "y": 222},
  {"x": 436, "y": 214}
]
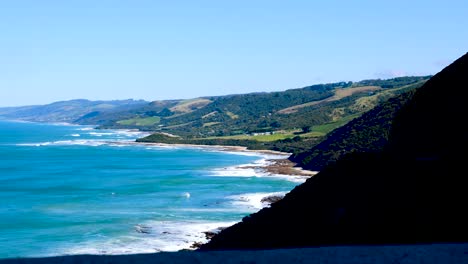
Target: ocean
[{"x": 67, "y": 189}]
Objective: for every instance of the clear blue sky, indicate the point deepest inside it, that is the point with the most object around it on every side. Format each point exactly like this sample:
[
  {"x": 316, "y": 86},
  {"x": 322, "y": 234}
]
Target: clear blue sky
[{"x": 58, "y": 50}]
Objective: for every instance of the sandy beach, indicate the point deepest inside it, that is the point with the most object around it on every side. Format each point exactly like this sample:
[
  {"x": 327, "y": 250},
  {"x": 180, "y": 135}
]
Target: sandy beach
[{"x": 277, "y": 162}]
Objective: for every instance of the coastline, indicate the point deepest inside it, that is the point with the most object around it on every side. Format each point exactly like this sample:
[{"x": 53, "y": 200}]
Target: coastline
[
  {"x": 263, "y": 163},
  {"x": 216, "y": 147},
  {"x": 280, "y": 165},
  {"x": 277, "y": 162},
  {"x": 287, "y": 167},
  {"x": 270, "y": 164}
]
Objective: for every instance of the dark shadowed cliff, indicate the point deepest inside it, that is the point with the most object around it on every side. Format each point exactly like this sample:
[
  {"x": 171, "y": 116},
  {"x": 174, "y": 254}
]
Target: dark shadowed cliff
[{"x": 411, "y": 192}]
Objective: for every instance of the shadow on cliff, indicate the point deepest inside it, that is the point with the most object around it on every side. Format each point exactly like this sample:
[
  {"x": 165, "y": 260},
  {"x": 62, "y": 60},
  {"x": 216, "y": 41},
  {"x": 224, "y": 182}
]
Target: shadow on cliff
[{"x": 411, "y": 192}]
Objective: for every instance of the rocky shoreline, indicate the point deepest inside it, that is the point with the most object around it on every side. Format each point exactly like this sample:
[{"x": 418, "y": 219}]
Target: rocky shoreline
[
  {"x": 286, "y": 167},
  {"x": 209, "y": 234},
  {"x": 275, "y": 166}
]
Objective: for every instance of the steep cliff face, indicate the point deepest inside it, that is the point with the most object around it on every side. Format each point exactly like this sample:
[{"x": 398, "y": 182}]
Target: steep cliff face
[{"x": 412, "y": 192}]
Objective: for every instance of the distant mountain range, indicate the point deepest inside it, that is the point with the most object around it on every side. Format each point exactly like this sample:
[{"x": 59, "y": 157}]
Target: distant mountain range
[
  {"x": 67, "y": 111},
  {"x": 397, "y": 178}
]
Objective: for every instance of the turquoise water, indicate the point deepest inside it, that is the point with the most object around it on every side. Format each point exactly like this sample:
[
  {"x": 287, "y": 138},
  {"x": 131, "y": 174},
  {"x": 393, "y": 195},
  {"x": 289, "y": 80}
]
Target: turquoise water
[{"x": 71, "y": 190}]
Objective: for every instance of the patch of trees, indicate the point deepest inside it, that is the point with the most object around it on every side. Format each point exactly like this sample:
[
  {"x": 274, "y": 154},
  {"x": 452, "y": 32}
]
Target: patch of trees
[{"x": 394, "y": 82}]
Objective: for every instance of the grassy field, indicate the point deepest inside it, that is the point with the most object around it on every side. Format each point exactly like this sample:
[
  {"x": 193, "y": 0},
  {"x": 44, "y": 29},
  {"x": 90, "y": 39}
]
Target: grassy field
[
  {"x": 232, "y": 115},
  {"x": 210, "y": 124},
  {"x": 313, "y": 134},
  {"x": 339, "y": 94},
  {"x": 190, "y": 105},
  {"x": 147, "y": 121},
  {"x": 328, "y": 127},
  {"x": 316, "y": 131},
  {"x": 274, "y": 137},
  {"x": 262, "y": 138}
]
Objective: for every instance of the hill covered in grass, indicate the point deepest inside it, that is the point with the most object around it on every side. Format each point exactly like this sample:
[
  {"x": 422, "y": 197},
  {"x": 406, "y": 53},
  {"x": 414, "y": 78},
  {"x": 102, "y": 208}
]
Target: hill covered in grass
[
  {"x": 291, "y": 121},
  {"x": 411, "y": 191},
  {"x": 248, "y": 114},
  {"x": 320, "y": 108},
  {"x": 368, "y": 133}
]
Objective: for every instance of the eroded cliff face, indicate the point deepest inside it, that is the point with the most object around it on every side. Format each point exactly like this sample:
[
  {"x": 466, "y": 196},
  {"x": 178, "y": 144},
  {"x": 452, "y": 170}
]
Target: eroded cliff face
[{"x": 412, "y": 192}]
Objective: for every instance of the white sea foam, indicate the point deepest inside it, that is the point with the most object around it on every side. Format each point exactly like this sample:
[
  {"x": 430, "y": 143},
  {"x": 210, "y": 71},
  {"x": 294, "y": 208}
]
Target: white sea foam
[
  {"x": 81, "y": 142},
  {"x": 61, "y": 124},
  {"x": 252, "y": 201},
  {"x": 249, "y": 153},
  {"x": 118, "y": 133},
  {"x": 246, "y": 171},
  {"x": 154, "y": 146},
  {"x": 132, "y": 133},
  {"x": 93, "y": 143},
  {"x": 213, "y": 210},
  {"x": 100, "y": 134},
  {"x": 254, "y": 169},
  {"x": 96, "y": 134},
  {"x": 157, "y": 236},
  {"x": 122, "y": 132},
  {"x": 34, "y": 144},
  {"x": 237, "y": 171},
  {"x": 75, "y": 135}
]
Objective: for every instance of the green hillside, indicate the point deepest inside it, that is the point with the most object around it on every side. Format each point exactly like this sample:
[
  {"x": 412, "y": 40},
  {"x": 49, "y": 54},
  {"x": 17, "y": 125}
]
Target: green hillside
[
  {"x": 368, "y": 133},
  {"x": 293, "y": 120},
  {"x": 118, "y": 118}
]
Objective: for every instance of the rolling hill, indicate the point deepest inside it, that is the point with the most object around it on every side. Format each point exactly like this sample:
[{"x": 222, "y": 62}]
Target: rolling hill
[
  {"x": 67, "y": 111},
  {"x": 291, "y": 121},
  {"x": 245, "y": 114}
]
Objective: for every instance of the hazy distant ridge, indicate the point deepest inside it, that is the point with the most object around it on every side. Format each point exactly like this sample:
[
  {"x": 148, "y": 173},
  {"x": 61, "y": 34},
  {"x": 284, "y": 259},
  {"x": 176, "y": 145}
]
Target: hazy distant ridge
[{"x": 66, "y": 111}]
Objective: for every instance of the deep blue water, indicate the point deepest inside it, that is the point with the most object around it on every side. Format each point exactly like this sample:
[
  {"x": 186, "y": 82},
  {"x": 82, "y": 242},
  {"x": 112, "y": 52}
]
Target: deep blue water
[{"x": 72, "y": 189}]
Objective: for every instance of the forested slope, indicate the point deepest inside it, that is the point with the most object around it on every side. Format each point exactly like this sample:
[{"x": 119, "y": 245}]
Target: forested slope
[{"x": 368, "y": 133}]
